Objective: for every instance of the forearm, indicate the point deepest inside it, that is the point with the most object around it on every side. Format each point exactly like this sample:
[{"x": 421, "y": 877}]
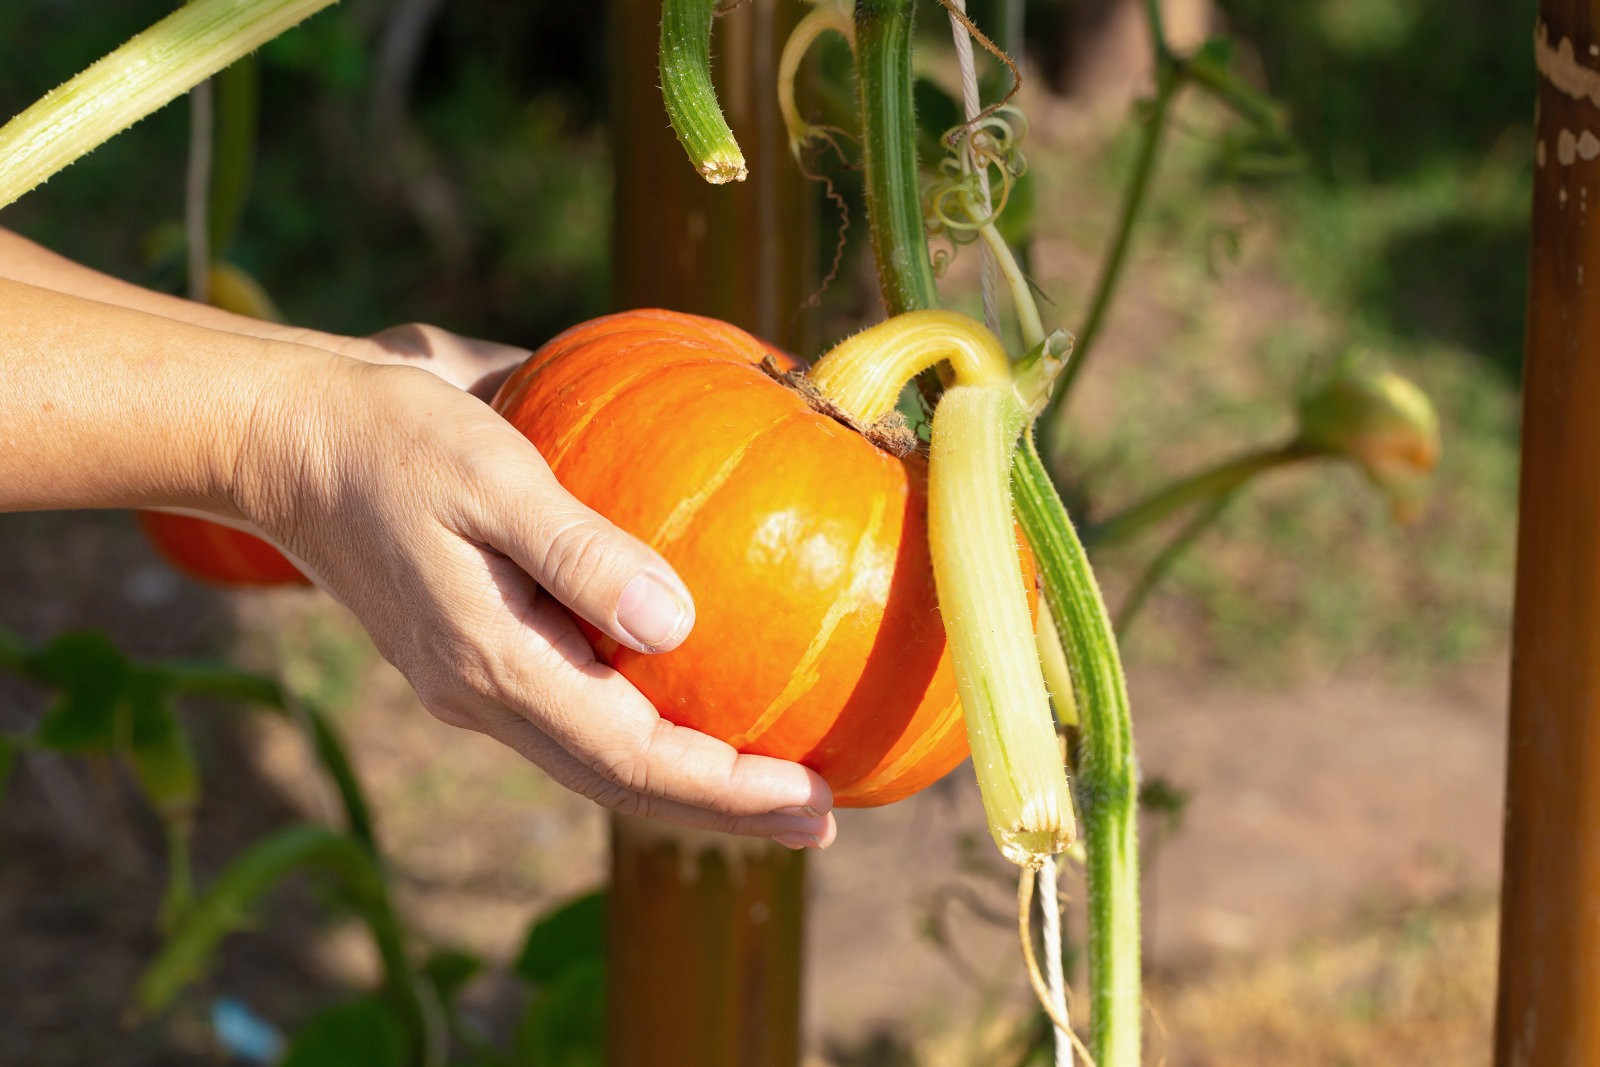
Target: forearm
[
  {"x": 23, "y": 261},
  {"x": 105, "y": 406}
]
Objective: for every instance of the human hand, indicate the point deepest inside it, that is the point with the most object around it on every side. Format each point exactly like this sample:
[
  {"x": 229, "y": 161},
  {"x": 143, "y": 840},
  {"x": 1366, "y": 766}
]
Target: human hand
[{"x": 448, "y": 536}]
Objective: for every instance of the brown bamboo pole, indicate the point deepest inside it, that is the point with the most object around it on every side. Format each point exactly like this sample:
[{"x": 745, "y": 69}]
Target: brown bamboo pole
[
  {"x": 705, "y": 931},
  {"x": 1548, "y": 1010}
]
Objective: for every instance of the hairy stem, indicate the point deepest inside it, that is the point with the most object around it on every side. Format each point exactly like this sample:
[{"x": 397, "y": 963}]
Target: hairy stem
[
  {"x": 1108, "y": 794},
  {"x": 1107, "y": 785},
  {"x": 690, "y": 97},
  {"x": 171, "y": 57},
  {"x": 889, "y": 150}
]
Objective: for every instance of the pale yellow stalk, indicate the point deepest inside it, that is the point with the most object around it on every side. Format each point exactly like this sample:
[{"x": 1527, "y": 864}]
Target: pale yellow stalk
[
  {"x": 1021, "y": 774},
  {"x": 168, "y": 59}
]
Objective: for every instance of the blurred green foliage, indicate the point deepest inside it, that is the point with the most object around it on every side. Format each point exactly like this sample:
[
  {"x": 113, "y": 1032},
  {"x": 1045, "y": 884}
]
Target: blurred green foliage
[
  {"x": 1416, "y": 118},
  {"x": 484, "y": 209},
  {"x": 1402, "y": 237}
]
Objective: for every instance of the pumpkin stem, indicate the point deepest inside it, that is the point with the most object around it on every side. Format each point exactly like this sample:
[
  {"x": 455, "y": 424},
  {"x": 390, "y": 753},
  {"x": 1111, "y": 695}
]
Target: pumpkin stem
[
  {"x": 690, "y": 97},
  {"x": 864, "y": 374}
]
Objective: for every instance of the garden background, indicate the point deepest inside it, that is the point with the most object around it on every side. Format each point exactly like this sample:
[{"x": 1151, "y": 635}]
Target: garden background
[{"x": 1321, "y": 690}]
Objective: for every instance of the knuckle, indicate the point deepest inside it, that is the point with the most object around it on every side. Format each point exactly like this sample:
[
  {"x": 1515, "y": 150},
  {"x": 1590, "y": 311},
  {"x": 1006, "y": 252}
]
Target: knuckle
[
  {"x": 626, "y": 770},
  {"x": 574, "y": 552},
  {"x": 614, "y": 797}
]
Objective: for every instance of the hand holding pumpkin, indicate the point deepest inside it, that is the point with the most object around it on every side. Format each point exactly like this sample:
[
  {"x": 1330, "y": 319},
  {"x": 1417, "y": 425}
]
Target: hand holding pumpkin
[
  {"x": 445, "y": 532},
  {"x": 406, "y": 496}
]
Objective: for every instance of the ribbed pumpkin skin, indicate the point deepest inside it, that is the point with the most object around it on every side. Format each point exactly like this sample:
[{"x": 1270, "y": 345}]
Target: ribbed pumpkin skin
[
  {"x": 817, "y": 634},
  {"x": 220, "y": 555}
]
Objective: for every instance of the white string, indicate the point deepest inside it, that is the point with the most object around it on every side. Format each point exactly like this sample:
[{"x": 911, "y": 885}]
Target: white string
[
  {"x": 1050, "y": 906},
  {"x": 971, "y": 106}
]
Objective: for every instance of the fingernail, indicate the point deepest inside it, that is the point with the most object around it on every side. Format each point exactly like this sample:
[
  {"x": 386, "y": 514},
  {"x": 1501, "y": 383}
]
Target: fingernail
[
  {"x": 797, "y": 841},
  {"x": 807, "y": 812},
  {"x": 652, "y": 612}
]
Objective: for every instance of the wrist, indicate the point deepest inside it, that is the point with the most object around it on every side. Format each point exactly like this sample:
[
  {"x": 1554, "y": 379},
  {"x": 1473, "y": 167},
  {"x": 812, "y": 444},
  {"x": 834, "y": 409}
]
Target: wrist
[{"x": 272, "y": 450}]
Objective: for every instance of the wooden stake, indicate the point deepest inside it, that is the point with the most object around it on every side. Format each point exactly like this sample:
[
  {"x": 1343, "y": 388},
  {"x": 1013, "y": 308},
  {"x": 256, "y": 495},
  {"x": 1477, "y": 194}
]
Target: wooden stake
[
  {"x": 1548, "y": 1010},
  {"x": 705, "y": 930}
]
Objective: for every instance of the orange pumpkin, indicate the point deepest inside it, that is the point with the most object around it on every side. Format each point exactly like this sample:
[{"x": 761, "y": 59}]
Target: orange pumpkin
[
  {"x": 212, "y": 552},
  {"x": 817, "y": 637}
]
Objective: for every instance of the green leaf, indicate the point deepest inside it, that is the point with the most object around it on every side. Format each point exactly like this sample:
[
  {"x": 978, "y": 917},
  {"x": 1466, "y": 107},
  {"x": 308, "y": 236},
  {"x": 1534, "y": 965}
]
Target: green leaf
[
  {"x": 365, "y": 1031},
  {"x": 565, "y": 1023},
  {"x": 563, "y": 939},
  {"x": 90, "y": 673},
  {"x": 1216, "y": 52},
  {"x": 158, "y": 746},
  {"x": 448, "y": 970}
]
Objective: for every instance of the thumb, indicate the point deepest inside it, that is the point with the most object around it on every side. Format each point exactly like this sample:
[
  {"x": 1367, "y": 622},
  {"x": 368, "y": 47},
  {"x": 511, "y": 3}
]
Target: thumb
[{"x": 607, "y": 576}]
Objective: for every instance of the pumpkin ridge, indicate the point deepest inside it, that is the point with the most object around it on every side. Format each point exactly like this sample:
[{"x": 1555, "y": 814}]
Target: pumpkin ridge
[
  {"x": 684, "y": 512},
  {"x": 621, "y": 339},
  {"x": 848, "y": 599},
  {"x": 883, "y": 778},
  {"x": 636, "y": 377}
]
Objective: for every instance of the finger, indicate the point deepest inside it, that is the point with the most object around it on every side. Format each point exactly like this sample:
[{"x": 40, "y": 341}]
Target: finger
[
  {"x": 466, "y": 362},
  {"x": 605, "y": 575},
  {"x": 601, "y": 720},
  {"x": 789, "y": 828}
]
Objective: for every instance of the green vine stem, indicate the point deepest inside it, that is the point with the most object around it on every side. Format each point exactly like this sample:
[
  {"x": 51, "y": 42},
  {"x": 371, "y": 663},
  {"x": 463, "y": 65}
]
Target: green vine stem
[
  {"x": 224, "y": 683},
  {"x": 1107, "y": 783},
  {"x": 171, "y": 57},
  {"x": 889, "y": 155},
  {"x": 225, "y": 905},
  {"x": 1157, "y": 568},
  {"x": 1206, "y": 484},
  {"x": 1107, "y": 786},
  {"x": 690, "y": 96}
]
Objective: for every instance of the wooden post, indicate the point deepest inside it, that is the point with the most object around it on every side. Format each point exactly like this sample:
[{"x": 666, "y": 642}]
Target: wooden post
[
  {"x": 1548, "y": 1010},
  {"x": 705, "y": 931}
]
